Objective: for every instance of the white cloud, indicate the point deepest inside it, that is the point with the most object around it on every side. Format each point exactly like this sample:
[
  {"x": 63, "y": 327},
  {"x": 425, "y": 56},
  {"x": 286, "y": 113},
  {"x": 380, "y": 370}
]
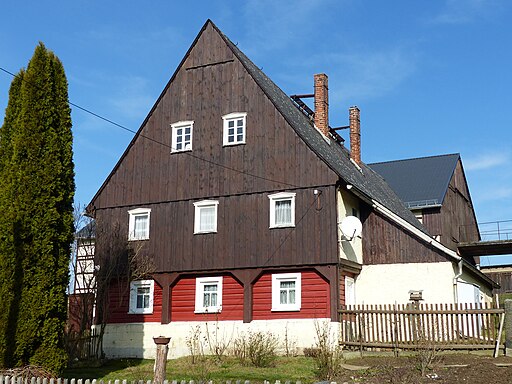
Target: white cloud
[
  {"x": 465, "y": 11},
  {"x": 486, "y": 161},
  {"x": 274, "y": 24},
  {"x": 372, "y": 74}
]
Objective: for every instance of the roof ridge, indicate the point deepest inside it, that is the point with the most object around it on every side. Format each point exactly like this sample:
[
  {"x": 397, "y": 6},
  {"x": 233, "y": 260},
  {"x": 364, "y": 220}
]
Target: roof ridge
[{"x": 415, "y": 158}]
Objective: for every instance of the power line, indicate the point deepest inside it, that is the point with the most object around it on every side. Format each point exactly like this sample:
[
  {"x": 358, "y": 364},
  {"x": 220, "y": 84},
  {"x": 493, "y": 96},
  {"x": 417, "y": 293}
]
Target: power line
[{"x": 167, "y": 145}]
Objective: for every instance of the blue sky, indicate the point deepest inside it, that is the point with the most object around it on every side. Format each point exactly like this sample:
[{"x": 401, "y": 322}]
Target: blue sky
[{"x": 430, "y": 77}]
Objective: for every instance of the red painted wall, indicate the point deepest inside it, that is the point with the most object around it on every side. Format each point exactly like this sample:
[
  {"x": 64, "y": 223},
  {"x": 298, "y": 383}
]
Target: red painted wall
[
  {"x": 315, "y": 298},
  {"x": 119, "y": 298},
  {"x": 183, "y": 301}
]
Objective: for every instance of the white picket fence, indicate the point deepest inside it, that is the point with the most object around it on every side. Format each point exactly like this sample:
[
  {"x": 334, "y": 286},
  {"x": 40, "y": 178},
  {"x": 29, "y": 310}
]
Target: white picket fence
[{"x": 39, "y": 380}]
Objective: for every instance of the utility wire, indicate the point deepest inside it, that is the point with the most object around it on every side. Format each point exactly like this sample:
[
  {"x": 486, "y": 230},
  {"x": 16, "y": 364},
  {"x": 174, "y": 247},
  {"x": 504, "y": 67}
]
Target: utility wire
[{"x": 167, "y": 145}]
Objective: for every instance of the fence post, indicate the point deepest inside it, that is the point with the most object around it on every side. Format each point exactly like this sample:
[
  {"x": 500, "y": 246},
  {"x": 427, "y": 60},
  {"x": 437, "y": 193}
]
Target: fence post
[
  {"x": 508, "y": 327},
  {"x": 161, "y": 358}
]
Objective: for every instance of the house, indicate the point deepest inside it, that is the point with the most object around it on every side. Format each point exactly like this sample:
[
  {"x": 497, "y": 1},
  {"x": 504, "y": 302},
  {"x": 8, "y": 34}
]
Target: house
[
  {"x": 237, "y": 196},
  {"x": 83, "y": 293},
  {"x": 435, "y": 189}
]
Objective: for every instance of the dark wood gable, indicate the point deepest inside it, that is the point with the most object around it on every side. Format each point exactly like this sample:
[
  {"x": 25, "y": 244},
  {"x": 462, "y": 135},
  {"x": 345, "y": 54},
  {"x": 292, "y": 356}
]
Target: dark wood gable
[
  {"x": 455, "y": 221},
  {"x": 209, "y": 83}
]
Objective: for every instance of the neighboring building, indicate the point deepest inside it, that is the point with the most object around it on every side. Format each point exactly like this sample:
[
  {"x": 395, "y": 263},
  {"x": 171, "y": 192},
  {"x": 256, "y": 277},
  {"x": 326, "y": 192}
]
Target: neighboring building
[
  {"x": 238, "y": 194},
  {"x": 82, "y": 297},
  {"x": 435, "y": 189}
]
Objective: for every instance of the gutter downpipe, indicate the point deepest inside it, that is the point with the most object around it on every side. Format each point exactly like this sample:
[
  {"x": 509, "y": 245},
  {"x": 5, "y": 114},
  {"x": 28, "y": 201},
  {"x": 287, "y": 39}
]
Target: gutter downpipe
[{"x": 455, "y": 280}]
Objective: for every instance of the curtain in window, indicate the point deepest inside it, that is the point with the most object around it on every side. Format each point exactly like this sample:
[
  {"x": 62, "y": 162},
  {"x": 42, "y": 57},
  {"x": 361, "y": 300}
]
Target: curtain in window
[
  {"x": 283, "y": 212},
  {"x": 287, "y": 292},
  {"x": 210, "y": 295},
  {"x": 207, "y": 219},
  {"x": 140, "y": 226}
]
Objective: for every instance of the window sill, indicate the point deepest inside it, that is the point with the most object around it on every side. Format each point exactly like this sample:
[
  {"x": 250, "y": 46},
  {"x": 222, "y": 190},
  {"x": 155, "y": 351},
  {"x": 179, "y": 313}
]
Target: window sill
[
  {"x": 140, "y": 312},
  {"x": 209, "y": 310},
  {"x": 285, "y": 310},
  {"x": 233, "y": 144},
  {"x": 282, "y": 226},
  {"x": 181, "y": 151},
  {"x": 204, "y": 232},
  {"x": 138, "y": 239}
]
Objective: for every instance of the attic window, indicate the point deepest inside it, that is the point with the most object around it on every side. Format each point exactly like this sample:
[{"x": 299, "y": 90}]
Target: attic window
[
  {"x": 182, "y": 136},
  {"x": 234, "y": 128}
]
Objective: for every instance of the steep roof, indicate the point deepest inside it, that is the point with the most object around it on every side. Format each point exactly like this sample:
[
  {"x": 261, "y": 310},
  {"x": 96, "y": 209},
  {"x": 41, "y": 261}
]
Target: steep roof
[
  {"x": 337, "y": 157},
  {"x": 420, "y": 182}
]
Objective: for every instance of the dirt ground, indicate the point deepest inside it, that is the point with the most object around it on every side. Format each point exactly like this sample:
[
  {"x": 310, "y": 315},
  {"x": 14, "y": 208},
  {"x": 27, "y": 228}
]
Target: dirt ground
[{"x": 452, "y": 368}]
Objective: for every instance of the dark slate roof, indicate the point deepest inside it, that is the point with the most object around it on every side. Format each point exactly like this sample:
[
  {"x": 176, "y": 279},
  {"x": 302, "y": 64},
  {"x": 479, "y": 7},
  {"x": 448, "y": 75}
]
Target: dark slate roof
[
  {"x": 88, "y": 231},
  {"x": 421, "y": 182},
  {"x": 336, "y": 156}
]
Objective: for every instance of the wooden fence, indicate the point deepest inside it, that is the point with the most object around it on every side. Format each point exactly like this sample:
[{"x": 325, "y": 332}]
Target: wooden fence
[
  {"x": 83, "y": 347},
  {"x": 413, "y": 326}
]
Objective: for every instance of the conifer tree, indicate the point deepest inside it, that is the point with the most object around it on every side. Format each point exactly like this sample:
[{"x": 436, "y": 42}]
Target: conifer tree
[{"x": 37, "y": 189}]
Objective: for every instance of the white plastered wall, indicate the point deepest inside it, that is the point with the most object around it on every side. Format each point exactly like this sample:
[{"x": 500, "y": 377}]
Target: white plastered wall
[
  {"x": 350, "y": 250},
  {"x": 136, "y": 339},
  {"x": 390, "y": 283},
  {"x": 485, "y": 292}
]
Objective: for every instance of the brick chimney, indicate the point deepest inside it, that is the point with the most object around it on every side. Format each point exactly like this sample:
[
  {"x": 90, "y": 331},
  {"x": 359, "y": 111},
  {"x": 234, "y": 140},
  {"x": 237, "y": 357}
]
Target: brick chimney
[
  {"x": 322, "y": 103},
  {"x": 355, "y": 134}
]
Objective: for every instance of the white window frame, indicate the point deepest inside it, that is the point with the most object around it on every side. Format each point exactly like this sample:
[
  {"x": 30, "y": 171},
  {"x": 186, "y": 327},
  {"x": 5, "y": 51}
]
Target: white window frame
[
  {"x": 131, "y": 224},
  {"x": 234, "y": 117},
  {"x": 187, "y": 145},
  {"x": 197, "y": 215},
  {"x": 281, "y": 196},
  {"x": 277, "y": 278},
  {"x": 134, "y": 285},
  {"x": 201, "y": 282}
]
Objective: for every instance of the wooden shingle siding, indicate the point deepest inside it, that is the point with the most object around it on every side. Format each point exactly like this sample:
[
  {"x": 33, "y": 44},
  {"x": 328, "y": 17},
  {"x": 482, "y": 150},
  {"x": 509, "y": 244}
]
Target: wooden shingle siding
[
  {"x": 149, "y": 173},
  {"x": 315, "y": 298},
  {"x": 119, "y": 303},
  {"x": 243, "y": 238},
  {"x": 455, "y": 221},
  {"x": 183, "y": 301},
  {"x": 211, "y": 83},
  {"x": 387, "y": 243}
]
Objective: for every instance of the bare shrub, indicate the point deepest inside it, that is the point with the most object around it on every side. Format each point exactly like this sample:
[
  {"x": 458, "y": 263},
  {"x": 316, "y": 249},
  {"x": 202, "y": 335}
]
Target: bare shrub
[
  {"x": 258, "y": 349},
  {"x": 194, "y": 344},
  {"x": 327, "y": 354},
  {"x": 261, "y": 349},
  {"x": 218, "y": 341},
  {"x": 426, "y": 355},
  {"x": 290, "y": 344},
  {"x": 240, "y": 349}
]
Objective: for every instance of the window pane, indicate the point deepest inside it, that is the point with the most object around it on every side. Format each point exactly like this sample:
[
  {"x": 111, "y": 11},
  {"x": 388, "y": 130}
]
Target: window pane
[
  {"x": 240, "y": 122},
  {"x": 283, "y": 297},
  {"x": 140, "y": 226},
  {"x": 207, "y": 218},
  {"x": 187, "y": 131},
  {"x": 283, "y": 214},
  {"x": 231, "y": 123}
]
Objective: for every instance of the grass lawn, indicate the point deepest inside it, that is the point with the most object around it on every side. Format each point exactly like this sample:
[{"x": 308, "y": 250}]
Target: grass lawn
[{"x": 286, "y": 368}]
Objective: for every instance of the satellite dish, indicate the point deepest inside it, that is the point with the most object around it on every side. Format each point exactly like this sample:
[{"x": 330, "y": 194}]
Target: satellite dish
[{"x": 351, "y": 227}]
